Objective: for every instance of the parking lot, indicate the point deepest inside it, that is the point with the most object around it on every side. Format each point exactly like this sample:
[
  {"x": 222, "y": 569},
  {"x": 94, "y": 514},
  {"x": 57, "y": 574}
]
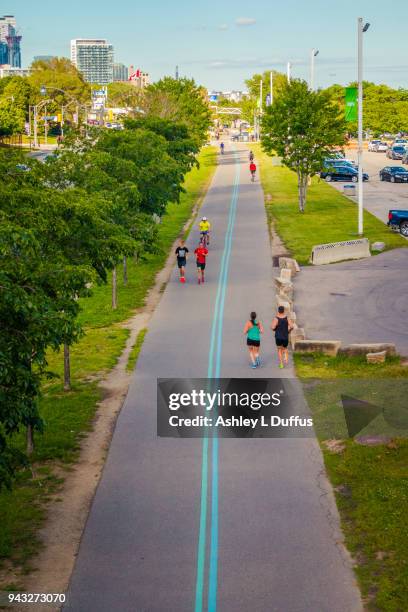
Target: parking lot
[{"x": 379, "y": 196}]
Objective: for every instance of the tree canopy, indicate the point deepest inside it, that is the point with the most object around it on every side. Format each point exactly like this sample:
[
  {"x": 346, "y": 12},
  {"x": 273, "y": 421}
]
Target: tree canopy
[{"x": 303, "y": 127}]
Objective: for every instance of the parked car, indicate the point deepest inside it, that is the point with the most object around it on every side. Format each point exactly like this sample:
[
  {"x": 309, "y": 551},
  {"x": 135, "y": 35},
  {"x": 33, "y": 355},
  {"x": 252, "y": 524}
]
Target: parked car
[
  {"x": 396, "y": 152},
  {"x": 333, "y": 163},
  {"x": 342, "y": 173},
  {"x": 404, "y": 159},
  {"x": 394, "y": 174},
  {"x": 381, "y": 147},
  {"x": 400, "y": 141},
  {"x": 372, "y": 145},
  {"x": 398, "y": 220}
]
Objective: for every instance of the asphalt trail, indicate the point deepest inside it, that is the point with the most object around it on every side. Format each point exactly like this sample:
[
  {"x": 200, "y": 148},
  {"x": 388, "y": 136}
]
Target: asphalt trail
[{"x": 234, "y": 525}]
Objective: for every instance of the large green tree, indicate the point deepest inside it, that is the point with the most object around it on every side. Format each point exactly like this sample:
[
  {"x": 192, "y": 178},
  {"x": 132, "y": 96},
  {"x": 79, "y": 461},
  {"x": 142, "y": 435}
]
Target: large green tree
[
  {"x": 180, "y": 100},
  {"x": 303, "y": 127}
]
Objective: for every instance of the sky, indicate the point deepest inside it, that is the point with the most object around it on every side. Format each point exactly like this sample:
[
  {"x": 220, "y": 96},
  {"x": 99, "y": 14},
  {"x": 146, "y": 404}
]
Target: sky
[{"x": 222, "y": 43}]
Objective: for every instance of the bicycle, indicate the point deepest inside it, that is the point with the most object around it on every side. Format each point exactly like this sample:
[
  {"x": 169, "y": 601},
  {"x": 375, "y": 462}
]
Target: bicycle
[{"x": 204, "y": 239}]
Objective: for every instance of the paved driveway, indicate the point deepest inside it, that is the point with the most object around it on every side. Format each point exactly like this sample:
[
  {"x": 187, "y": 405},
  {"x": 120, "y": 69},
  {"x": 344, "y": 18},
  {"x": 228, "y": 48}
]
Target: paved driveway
[{"x": 356, "y": 301}]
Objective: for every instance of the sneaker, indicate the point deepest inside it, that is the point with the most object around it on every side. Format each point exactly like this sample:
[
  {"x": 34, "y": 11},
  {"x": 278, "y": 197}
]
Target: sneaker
[
  {"x": 182, "y": 279},
  {"x": 258, "y": 361},
  {"x": 281, "y": 366},
  {"x": 253, "y": 366}
]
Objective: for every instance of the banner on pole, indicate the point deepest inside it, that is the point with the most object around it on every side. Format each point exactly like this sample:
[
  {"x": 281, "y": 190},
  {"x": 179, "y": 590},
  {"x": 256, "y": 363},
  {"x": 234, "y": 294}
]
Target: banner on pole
[{"x": 351, "y": 99}]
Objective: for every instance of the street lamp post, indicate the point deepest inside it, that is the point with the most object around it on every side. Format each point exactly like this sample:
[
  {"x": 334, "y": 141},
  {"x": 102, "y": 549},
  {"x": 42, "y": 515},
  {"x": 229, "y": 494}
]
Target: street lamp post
[
  {"x": 360, "y": 30},
  {"x": 314, "y": 53},
  {"x": 271, "y": 87},
  {"x": 288, "y": 70}
]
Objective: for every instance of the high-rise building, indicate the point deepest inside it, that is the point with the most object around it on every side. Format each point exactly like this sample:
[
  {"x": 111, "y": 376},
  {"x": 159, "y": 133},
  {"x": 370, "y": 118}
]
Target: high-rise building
[
  {"x": 10, "y": 38},
  {"x": 120, "y": 72},
  {"x": 94, "y": 59}
]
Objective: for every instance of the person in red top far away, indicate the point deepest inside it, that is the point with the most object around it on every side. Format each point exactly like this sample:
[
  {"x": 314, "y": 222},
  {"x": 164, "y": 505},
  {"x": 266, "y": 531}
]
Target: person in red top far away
[
  {"x": 201, "y": 253},
  {"x": 252, "y": 169}
]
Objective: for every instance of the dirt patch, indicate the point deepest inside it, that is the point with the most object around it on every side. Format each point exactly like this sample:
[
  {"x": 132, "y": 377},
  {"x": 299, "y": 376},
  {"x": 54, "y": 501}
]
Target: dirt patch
[
  {"x": 61, "y": 535},
  {"x": 334, "y": 446}
]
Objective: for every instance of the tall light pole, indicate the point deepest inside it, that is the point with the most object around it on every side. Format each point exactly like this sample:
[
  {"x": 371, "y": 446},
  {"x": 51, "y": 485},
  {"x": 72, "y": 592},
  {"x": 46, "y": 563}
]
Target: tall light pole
[
  {"x": 288, "y": 70},
  {"x": 360, "y": 31},
  {"x": 314, "y": 53},
  {"x": 271, "y": 87}
]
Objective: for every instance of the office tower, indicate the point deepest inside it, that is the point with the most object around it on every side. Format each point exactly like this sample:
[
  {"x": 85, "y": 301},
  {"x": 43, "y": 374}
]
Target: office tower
[
  {"x": 120, "y": 72},
  {"x": 94, "y": 59},
  {"x": 10, "y": 38}
]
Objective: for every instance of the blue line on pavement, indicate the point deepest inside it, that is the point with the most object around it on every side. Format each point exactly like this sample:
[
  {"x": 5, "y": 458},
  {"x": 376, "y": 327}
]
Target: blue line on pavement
[{"x": 216, "y": 337}]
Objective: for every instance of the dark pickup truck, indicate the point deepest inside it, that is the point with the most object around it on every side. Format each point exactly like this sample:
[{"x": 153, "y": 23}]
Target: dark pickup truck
[{"x": 398, "y": 219}]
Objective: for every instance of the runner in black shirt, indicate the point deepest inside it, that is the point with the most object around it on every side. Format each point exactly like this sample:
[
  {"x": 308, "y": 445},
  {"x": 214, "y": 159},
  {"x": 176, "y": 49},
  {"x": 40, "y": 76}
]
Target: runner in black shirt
[
  {"x": 282, "y": 326},
  {"x": 181, "y": 254}
]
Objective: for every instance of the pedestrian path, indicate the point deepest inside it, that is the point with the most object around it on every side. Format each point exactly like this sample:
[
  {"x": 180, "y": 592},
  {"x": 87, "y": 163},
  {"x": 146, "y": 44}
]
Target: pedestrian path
[{"x": 234, "y": 525}]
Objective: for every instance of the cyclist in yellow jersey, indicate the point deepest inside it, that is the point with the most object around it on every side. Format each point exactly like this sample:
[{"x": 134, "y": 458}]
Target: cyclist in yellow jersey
[{"x": 205, "y": 227}]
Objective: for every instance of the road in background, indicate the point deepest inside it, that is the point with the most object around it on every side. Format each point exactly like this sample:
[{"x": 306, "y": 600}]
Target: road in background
[
  {"x": 178, "y": 525},
  {"x": 379, "y": 196}
]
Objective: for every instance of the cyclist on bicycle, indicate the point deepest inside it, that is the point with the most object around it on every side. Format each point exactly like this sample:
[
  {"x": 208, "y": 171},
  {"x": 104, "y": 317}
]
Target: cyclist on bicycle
[
  {"x": 251, "y": 156},
  {"x": 205, "y": 227},
  {"x": 252, "y": 169},
  {"x": 222, "y": 148}
]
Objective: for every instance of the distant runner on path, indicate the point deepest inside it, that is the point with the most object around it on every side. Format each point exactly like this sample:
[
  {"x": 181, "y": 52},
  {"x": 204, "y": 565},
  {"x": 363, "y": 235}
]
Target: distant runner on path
[
  {"x": 252, "y": 169},
  {"x": 282, "y": 326},
  {"x": 181, "y": 254},
  {"x": 201, "y": 254},
  {"x": 253, "y": 330}
]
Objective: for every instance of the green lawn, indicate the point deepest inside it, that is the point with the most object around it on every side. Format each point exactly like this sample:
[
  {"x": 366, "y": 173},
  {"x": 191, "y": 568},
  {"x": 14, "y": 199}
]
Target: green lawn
[
  {"x": 329, "y": 216},
  {"x": 370, "y": 482},
  {"x": 68, "y": 415}
]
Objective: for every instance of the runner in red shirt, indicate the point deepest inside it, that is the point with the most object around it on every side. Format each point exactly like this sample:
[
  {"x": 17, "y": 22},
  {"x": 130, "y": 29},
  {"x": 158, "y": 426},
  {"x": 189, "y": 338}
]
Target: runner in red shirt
[
  {"x": 252, "y": 169},
  {"x": 201, "y": 253}
]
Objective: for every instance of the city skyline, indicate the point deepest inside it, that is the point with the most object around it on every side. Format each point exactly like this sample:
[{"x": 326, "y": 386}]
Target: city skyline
[{"x": 226, "y": 43}]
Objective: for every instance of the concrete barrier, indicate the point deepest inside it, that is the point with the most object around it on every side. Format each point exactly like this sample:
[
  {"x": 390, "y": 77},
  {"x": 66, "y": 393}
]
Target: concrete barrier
[
  {"x": 288, "y": 262},
  {"x": 376, "y": 357},
  {"x": 340, "y": 251},
  {"x": 327, "y": 347},
  {"x": 296, "y": 335},
  {"x": 286, "y": 274},
  {"x": 353, "y": 350}
]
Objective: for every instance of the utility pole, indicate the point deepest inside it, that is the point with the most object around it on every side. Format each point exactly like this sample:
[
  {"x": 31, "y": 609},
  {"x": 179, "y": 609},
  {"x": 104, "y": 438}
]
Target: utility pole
[
  {"x": 45, "y": 126},
  {"x": 360, "y": 31},
  {"x": 313, "y": 54},
  {"x": 35, "y": 127},
  {"x": 288, "y": 70},
  {"x": 271, "y": 87}
]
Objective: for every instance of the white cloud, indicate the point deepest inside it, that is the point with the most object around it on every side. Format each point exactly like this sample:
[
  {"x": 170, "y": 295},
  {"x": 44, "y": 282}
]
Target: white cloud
[
  {"x": 223, "y": 26},
  {"x": 245, "y": 21}
]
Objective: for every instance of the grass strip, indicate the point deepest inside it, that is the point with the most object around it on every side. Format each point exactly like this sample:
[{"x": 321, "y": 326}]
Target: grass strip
[
  {"x": 134, "y": 353},
  {"x": 370, "y": 482},
  {"x": 329, "y": 216}
]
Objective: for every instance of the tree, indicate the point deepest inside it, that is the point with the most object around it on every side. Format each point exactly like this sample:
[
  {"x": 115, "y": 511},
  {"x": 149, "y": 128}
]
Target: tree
[
  {"x": 250, "y": 105},
  {"x": 124, "y": 94},
  {"x": 59, "y": 75},
  {"x": 303, "y": 127},
  {"x": 180, "y": 100},
  {"x": 53, "y": 244},
  {"x": 12, "y": 118}
]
